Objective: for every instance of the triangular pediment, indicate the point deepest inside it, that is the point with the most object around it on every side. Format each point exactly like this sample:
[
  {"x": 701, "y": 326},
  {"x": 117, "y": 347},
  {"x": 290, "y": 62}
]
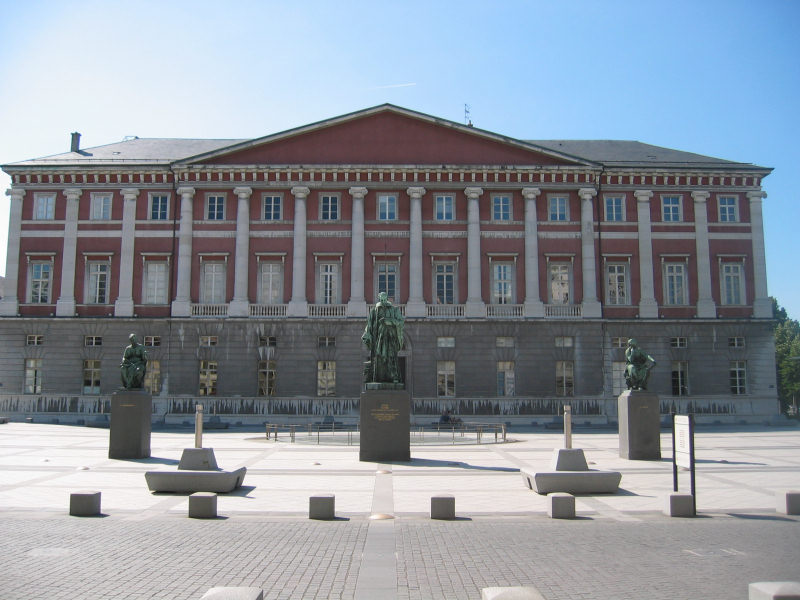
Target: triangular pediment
[{"x": 385, "y": 135}]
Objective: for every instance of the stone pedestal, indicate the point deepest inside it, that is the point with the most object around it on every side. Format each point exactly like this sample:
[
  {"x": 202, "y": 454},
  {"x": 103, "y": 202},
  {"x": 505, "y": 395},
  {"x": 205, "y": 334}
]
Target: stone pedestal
[
  {"x": 129, "y": 437},
  {"x": 385, "y": 426},
  {"x": 639, "y": 425}
]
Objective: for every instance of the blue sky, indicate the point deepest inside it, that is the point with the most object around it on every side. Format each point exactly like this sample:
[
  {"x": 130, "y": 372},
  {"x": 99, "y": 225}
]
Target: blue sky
[{"x": 713, "y": 77}]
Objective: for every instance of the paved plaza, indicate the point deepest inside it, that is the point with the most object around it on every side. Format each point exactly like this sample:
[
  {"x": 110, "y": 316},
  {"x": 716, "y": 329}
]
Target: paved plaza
[{"x": 620, "y": 547}]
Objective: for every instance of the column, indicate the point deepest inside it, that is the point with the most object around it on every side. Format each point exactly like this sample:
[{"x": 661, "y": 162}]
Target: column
[
  {"x": 182, "y": 305},
  {"x": 123, "y": 306},
  {"x": 9, "y": 305},
  {"x": 475, "y": 306},
  {"x": 648, "y": 309},
  {"x": 415, "y": 307},
  {"x": 533, "y": 302},
  {"x": 357, "y": 306},
  {"x": 298, "y": 305},
  {"x": 65, "y": 306},
  {"x": 706, "y": 308},
  {"x": 762, "y": 306},
  {"x": 590, "y": 305},
  {"x": 240, "y": 305}
]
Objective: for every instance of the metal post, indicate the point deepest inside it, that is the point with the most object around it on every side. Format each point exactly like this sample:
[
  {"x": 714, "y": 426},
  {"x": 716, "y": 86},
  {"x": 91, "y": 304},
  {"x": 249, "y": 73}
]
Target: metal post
[
  {"x": 567, "y": 426},
  {"x": 198, "y": 426}
]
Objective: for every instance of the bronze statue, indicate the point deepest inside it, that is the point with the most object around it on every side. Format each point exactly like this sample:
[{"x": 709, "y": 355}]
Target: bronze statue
[
  {"x": 383, "y": 336},
  {"x": 637, "y": 366},
  {"x": 134, "y": 365}
]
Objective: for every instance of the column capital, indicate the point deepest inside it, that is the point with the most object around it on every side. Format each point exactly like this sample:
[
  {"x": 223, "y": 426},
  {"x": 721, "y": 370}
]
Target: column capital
[
  {"x": 530, "y": 193},
  {"x": 587, "y": 193},
  {"x": 15, "y": 193},
  {"x": 643, "y": 195},
  {"x": 300, "y": 192},
  {"x": 129, "y": 193},
  {"x": 358, "y": 192},
  {"x": 416, "y": 192},
  {"x": 72, "y": 193},
  {"x": 243, "y": 192},
  {"x": 186, "y": 191},
  {"x": 473, "y": 192},
  {"x": 756, "y": 196},
  {"x": 700, "y": 196}
]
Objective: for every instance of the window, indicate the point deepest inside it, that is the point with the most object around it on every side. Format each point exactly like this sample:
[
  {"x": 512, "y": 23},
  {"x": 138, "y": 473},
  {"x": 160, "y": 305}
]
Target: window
[
  {"x": 501, "y": 208},
  {"x": 269, "y": 341},
  {"x": 386, "y": 279},
  {"x": 33, "y": 375},
  {"x": 91, "y": 376},
  {"x": 272, "y": 208},
  {"x": 671, "y": 209},
  {"x": 446, "y": 378},
  {"x": 266, "y": 377},
  {"x": 326, "y": 378},
  {"x": 41, "y": 276},
  {"x": 618, "y": 384},
  {"x": 326, "y": 341},
  {"x": 215, "y": 208},
  {"x": 736, "y": 342},
  {"x": 444, "y": 208},
  {"x": 678, "y": 342},
  {"x": 619, "y": 342},
  {"x": 159, "y": 207},
  {"x": 680, "y": 378},
  {"x": 97, "y": 283},
  {"x": 444, "y": 275},
  {"x": 152, "y": 341},
  {"x": 387, "y": 207},
  {"x": 445, "y": 342},
  {"x": 502, "y": 283},
  {"x": 732, "y": 283},
  {"x": 270, "y": 288},
  {"x": 564, "y": 378},
  {"x": 208, "y": 378},
  {"x": 738, "y": 377},
  {"x": 558, "y": 208},
  {"x": 617, "y": 284},
  {"x": 92, "y": 341},
  {"x": 44, "y": 207},
  {"x": 34, "y": 340},
  {"x": 152, "y": 377},
  {"x": 208, "y": 341},
  {"x": 559, "y": 283},
  {"x": 565, "y": 341},
  {"x": 615, "y": 208},
  {"x": 728, "y": 209},
  {"x": 505, "y": 378},
  {"x": 212, "y": 285},
  {"x": 328, "y": 292},
  {"x": 329, "y": 207},
  {"x": 504, "y": 342},
  {"x": 155, "y": 282},
  {"x": 101, "y": 207},
  {"x": 675, "y": 283}
]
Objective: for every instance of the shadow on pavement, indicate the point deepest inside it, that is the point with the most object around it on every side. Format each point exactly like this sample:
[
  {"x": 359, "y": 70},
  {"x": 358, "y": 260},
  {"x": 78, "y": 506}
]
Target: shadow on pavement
[{"x": 427, "y": 462}]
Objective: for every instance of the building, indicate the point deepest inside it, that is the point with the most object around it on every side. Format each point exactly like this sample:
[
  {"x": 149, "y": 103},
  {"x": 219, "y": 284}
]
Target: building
[{"x": 247, "y": 268}]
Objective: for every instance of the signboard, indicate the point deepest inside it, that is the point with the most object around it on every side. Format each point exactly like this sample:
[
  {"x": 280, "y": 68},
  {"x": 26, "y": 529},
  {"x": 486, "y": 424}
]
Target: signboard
[{"x": 683, "y": 442}]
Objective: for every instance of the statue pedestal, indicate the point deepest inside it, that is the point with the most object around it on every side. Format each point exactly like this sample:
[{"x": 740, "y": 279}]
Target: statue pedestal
[
  {"x": 129, "y": 435},
  {"x": 639, "y": 425},
  {"x": 385, "y": 426}
]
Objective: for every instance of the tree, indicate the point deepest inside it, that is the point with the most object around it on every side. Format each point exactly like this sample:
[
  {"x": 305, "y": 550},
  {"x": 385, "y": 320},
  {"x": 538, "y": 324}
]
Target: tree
[{"x": 787, "y": 356}]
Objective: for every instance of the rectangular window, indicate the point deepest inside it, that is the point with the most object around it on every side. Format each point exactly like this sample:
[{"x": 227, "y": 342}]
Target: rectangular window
[
  {"x": 270, "y": 341},
  {"x": 91, "y": 376},
  {"x": 101, "y": 207},
  {"x": 675, "y": 284},
  {"x": 565, "y": 341},
  {"x": 615, "y": 208},
  {"x": 444, "y": 281},
  {"x": 326, "y": 341},
  {"x": 736, "y": 342},
  {"x": 678, "y": 342},
  {"x": 44, "y": 207},
  {"x": 728, "y": 209},
  {"x": 502, "y": 283},
  {"x": 159, "y": 207},
  {"x": 266, "y": 378},
  {"x": 33, "y": 375},
  {"x": 328, "y": 283},
  {"x": 444, "y": 208},
  {"x": 558, "y": 208},
  {"x": 212, "y": 289},
  {"x": 446, "y": 378},
  {"x": 152, "y": 377},
  {"x": 92, "y": 341},
  {"x": 208, "y": 378},
  {"x": 326, "y": 378},
  {"x": 98, "y": 282},
  {"x": 504, "y": 342},
  {"x": 732, "y": 284},
  {"x": 155, "y": 282},
  {"x": 619, "y": 342},
  {"x": 618, "y": 384},
  {"x": 387, "y": 207},
  {"x": 207, "y": 341},
  {"x": 387, "y": 279},
  {"x": 671, "y": 209},
  {"x": 445, "y": 342},
  {"x": 617, "y": 284},
  {"x": 34, "y": 340},
  {"x": 215, "y": 208},
  {"x": 501, "y": 208},
  {"x": 680, "y": 378},
  {"x": 270, "y": 289},
  {"x": 505, "y": 378},
  {"x": 152, "y": 341},
  {"x": 272, "y": 208},
  {"x": 565, "y": 384},
  {"x": 559, "y": 283},
  {"x": 329, "y": 208},
  {"x": 738, "y": 377},
  {"x": 41, "y": 280}
]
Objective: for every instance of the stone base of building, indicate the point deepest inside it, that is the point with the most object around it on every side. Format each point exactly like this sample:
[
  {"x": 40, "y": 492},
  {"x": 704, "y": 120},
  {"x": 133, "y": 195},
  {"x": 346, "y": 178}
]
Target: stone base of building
[
  {"x": 385, "y": 426},
  {"x": 129, "y": 436},
  {"x": 639, "y": 425}
]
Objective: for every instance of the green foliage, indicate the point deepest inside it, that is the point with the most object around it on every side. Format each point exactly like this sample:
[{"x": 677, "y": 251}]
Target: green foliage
[{"x": 787, "y": 356}]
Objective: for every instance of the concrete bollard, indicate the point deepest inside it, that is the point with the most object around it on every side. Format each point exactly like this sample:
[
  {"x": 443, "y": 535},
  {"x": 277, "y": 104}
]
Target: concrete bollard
[
  {"x": 774, "y": 590},
  {"x": 203, "y": 505},
  {"x": 322, "y": 507},
  {"x": 788, "y": 502},
  {"x": 84, "y": 504},
  {"x": 679, "y": 505},
  {"x": 234, "y": 593},
  {"x": 443, "y": 507},
  {"x": 560, "y": 505}
]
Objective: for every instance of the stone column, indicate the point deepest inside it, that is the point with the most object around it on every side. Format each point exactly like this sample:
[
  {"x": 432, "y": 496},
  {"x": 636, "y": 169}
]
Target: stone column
[
  {"x": 182, "y": 305},
  {"x": 9, "y": 305},
  {"x": 590, "y": 306},
  {"x": 475, "y": 306},
  {"x": 357, "y": 306},
  {"x": 415, "y": 307},
  {"x": 648, "y": 308},
  {"x": 240, "y": 305},
  {"x": 65, "y": 307},
  {"x": 706, "y": 308},
  {"x": 533, "y": 301},
  {"x": 298, "y": 305},
  {"x": 762, "y": 306},
  {"x": 123, "y": 307}
]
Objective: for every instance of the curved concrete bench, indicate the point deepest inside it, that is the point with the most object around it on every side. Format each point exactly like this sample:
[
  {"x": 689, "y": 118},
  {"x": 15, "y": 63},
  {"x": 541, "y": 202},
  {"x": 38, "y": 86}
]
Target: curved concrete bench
[
  {"x": 195, "y": 481},
  {"x": 573, "y": 482}
]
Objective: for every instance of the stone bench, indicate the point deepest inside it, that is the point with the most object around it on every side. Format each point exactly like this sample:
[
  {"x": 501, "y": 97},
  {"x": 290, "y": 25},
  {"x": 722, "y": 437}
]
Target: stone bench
[
  {"x": 203, "y": 505},
  {"x": 788, "y": 502},
  {"x": 188, "y": 482},
  {"x": 233, "y": 593},
  {"x": 84, "y": 504},
  {"x": 322, "y": 507},
  {"x": 774, "y": 590},
  {"x": 523, "y": 592},
  {"x": 443, "y": 507},
  {"x": 573, "y": 482}
]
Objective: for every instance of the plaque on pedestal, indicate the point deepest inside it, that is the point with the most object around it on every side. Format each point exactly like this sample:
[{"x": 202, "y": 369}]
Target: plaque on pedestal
[
  {"x": 129, "y": 436},
  {"x": 639, "y": 425},
  {"x": 385, "y": 428}
]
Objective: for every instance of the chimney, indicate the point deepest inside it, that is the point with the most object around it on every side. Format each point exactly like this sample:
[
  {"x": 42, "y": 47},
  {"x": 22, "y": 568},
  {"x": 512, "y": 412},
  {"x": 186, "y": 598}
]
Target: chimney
[{"x": 75, "y": 146}]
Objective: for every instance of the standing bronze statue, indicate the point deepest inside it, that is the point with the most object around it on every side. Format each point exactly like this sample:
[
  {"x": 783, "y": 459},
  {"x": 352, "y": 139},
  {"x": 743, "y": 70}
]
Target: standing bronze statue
[
  {"x": 637, "y": 366},
  {"x": 134, "y": 365},
  {"x": 383, "y": 336}
]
